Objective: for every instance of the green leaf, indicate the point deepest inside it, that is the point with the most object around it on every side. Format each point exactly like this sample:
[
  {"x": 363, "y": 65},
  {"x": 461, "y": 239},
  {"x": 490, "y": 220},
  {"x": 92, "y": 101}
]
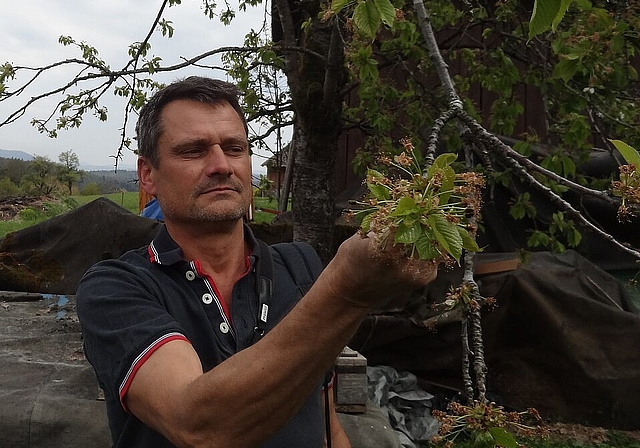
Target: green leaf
[
  {"x": 562, "y": 10},
  {"x": 448, "y": 183},
  {"x": 446, "y": 234},
  {"x": 628, "y": 152},
  {"x": 444, "y": 160},
  {"x": 406, "y": 206},
  {"x": 339, "y": 5},
  {"x": 538, "y": 238},
  {"x": 585, "y": 5},
  {"x": 442, "y": 164},
  {"x": 483, "y": 439},
  {"x": 544, "y": 13},
  {"x": 268, "y": 56},
  {"x": 380, "y": 192},
  {"x": 616, "y": 44},
  {"x": 369, "y": 71},
  {"x": 568, "y": 166},
  {"x": 566, "y": 68},
  {"x": 468, "y": 242},
  {"x": 574, "y": 237},
  {"x": 386, "y": 10},
  {"x": 503, "y": 438},
  {"x": 426, "y": 249},
  {"x": 367, "y": 18},
  {"x": 365, "y": 224},
  {"x": 407, "y": 235}
]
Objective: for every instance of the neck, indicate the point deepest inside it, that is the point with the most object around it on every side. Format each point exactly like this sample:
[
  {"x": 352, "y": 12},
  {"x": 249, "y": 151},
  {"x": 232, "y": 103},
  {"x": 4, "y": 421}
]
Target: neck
[{"x": 220, "y": 248}]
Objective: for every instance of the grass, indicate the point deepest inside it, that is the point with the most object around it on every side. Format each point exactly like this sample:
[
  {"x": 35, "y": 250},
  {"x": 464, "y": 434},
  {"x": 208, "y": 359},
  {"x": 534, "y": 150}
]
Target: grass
[
  {"x": 264, "y": 203},
  {"x": 613, "y": 439},
  {"x": 127, "y": 200},
  {"x": 31, "y": 216}
]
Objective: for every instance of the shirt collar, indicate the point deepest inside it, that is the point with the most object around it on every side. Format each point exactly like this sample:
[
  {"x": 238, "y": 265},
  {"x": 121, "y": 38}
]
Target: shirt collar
[{"x": 164, "y": 250}]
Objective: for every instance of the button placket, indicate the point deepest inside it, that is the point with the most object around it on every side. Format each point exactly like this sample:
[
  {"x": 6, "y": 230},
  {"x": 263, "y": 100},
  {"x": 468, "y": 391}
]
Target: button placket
[{"x": 205, "y": 290}]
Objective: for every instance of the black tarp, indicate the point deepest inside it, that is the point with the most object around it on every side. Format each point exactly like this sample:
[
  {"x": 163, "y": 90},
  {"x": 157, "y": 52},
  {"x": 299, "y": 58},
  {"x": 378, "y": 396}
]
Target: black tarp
[
  {"x": 563, "y": 338},
  {"x": 52, "y": 256}
]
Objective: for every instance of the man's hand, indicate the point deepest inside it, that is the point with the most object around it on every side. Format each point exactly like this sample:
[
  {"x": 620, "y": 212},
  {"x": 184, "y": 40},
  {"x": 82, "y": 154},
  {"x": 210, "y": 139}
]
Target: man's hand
[{"x": 367, "y": 277}]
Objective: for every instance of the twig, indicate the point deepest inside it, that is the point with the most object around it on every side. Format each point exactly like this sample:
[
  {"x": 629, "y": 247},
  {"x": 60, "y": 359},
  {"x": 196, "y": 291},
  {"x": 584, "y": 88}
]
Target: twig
[{"x": 466, "y": 365}]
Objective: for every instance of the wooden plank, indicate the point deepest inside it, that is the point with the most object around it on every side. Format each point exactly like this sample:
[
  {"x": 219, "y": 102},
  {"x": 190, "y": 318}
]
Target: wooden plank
[{"x": 18, "y": 296}]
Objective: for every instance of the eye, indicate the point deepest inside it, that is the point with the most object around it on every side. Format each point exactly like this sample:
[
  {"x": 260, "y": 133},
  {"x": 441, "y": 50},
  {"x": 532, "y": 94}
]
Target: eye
[
  {"x": 191, "y": 152},
  {"x": 235, "y": 149}
]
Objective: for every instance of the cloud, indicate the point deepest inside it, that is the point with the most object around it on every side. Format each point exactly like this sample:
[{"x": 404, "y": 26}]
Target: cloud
[{"x": 30, "y": 31}]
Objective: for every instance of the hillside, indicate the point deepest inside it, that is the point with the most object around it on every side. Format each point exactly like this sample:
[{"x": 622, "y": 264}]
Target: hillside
[
  {"x": 12, "y": 154},
  {"x": 111, "y": 181}
]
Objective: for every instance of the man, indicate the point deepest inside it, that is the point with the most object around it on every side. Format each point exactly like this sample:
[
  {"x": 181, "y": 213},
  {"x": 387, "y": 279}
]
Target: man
[{"x": 169, "y": 328}]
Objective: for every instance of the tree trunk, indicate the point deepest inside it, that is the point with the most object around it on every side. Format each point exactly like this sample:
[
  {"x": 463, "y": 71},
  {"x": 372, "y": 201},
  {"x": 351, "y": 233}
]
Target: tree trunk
[
  {"x": 313, "y": 199},
  {"x": 316, "y": 79}
]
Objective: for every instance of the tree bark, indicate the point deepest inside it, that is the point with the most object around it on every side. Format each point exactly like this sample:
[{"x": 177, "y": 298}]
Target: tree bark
[{"x": 315, "y": 84}]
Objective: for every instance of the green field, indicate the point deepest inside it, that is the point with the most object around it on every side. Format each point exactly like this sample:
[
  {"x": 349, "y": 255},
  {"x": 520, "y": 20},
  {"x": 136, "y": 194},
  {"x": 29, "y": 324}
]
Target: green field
[{"x": 129, "y": 200}]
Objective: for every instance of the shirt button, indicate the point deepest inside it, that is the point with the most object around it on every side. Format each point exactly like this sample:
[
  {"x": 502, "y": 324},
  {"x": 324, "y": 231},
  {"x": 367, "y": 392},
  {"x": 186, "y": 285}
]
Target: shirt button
[
  {"x": 207, "y": 298},
  {"x": 224, "y": 328},
  {"x": 190, "y": 275}
]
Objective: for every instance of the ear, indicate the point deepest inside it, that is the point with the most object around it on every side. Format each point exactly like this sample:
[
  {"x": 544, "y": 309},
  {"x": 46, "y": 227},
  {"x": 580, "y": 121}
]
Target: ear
[{"x": 144, "y": 176}]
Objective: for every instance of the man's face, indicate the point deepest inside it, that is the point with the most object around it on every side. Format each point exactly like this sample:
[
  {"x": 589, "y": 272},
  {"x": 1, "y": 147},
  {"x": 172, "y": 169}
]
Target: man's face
[{"x": 204, "y": 166}]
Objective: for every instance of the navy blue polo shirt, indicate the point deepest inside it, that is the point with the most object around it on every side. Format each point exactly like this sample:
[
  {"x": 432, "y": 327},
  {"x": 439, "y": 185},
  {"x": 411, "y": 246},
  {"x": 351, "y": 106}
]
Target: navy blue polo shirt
[{"x": 131, "y": 306}]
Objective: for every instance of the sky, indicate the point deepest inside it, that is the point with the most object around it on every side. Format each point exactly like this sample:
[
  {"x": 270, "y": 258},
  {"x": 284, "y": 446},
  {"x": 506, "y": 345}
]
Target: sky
[{"x": 29, "y": 32}]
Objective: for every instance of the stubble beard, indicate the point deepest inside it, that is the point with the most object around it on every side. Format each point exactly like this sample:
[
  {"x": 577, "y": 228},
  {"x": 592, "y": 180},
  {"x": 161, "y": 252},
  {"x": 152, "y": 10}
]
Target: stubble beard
[
  {"x": 220, "y": 210},
  {"x": 218, "y": 214}
]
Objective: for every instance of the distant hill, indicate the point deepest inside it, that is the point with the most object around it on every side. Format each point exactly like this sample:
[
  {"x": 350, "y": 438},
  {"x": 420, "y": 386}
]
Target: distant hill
[
  {"x": 111, "y": 181},
  {"x": 121, "y": 167},
  {"x": 11, "y": 154},
  {"x": 21, "y": 155}
]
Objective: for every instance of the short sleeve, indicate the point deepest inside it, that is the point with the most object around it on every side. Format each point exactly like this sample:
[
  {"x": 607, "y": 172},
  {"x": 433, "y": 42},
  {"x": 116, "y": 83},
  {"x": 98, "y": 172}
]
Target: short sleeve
[{"x": 122, "y": 322}]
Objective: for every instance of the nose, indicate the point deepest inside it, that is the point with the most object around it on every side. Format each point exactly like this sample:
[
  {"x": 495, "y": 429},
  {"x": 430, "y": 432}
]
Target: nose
[{"x": 217, "y": 162}]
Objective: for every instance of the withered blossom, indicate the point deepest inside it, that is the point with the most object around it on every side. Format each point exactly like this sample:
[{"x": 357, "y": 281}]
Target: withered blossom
[
  {"x": 385, "y": 160},
  {"x": 403, "y": 159},
  {"x": 407, "y": 144},
  {"x": 452, "y": 218}
]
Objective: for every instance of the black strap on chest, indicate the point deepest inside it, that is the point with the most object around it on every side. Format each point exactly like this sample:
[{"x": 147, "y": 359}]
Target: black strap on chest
[
  {"x": 298, "y": 265},
  {"x": 264, "y": 286},
  {"x": 302, "y": 265}
]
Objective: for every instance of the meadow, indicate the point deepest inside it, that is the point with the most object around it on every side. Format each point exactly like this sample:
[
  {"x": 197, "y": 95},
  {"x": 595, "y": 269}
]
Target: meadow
[{"x": 41, "y": 210}]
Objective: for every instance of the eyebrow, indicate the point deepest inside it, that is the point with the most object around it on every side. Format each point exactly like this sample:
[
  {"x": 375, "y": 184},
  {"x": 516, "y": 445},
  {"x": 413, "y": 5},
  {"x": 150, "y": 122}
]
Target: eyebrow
[
  {"x": 203, "y": 142},
  {"x": 189, "y": 144}
]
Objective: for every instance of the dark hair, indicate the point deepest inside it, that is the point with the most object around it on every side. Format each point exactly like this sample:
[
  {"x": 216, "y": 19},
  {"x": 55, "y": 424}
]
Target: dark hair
[{"x": 194, "y": 88}]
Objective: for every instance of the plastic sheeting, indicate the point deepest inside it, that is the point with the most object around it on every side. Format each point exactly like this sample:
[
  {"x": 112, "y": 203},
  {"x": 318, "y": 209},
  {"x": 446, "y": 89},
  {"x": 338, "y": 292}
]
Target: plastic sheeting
[
  {"x": 407, "y": 406},
  {"x": 563, "y": 339}
]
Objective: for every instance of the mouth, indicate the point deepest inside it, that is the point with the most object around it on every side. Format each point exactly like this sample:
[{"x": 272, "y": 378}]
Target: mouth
[{"x": 219, "y": 189}]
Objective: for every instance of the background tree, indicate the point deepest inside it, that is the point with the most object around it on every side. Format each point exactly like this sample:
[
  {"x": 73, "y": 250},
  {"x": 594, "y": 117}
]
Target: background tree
[
  {"x": 40, "y": 179},
  {"x": 14, "y": 169},
  {"x": 68, "y": 172},
  {"x": 8, "y": 188},
  {"x": 91, "y": 189},
  {"x": 373, "y": 55},
  {"x": 265, "y": 187}
]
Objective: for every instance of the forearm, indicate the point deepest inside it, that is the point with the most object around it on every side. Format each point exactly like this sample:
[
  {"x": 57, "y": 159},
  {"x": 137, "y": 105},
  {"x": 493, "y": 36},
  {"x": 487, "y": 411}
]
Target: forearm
[
  {"x": 247, "y": 398},
  {"x": 280, "y": 372}
]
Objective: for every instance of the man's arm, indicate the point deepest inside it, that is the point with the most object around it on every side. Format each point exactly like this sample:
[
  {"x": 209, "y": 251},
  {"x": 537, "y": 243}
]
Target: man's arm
[
  {"x": 247, "y": 398},
  {"x": 339, "y": 438}
]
